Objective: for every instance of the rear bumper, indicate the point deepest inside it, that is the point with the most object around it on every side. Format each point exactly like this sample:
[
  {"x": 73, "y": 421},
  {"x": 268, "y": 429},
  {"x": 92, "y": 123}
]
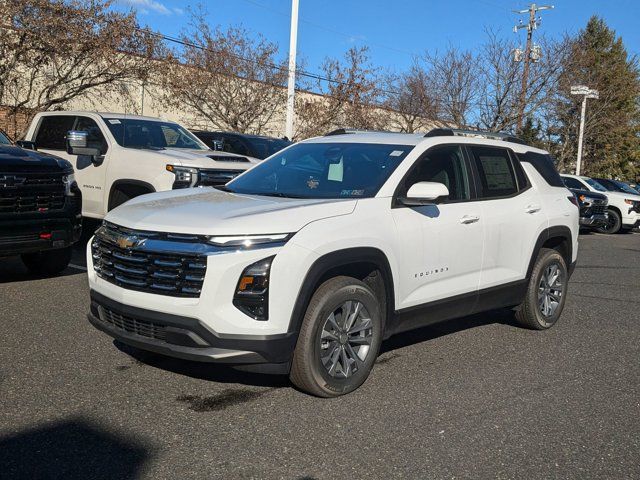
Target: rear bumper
[{"x": 185, "y": 337}]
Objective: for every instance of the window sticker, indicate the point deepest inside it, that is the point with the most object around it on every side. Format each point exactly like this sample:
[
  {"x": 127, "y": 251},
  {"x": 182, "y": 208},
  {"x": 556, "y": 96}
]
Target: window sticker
[
  {"x": 114, "y": 121},
  {"x": 351, "y": 193},
  {"x": 336, "y": 171},
  {"x": 396, "y": 153}
]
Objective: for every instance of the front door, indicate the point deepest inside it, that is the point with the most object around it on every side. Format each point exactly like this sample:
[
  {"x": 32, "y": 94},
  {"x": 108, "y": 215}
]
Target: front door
[{"x": 442, "y": 243}]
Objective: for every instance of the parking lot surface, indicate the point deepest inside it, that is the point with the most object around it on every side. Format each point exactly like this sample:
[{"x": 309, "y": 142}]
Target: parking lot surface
[{"x": 473, "y": 398}]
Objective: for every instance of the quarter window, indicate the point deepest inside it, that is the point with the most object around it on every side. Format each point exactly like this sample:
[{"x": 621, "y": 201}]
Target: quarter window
[
  {"x": 497, "y": 178},
  {"x": 444, "y": 165},
  {"x": 53, "y": 130}
]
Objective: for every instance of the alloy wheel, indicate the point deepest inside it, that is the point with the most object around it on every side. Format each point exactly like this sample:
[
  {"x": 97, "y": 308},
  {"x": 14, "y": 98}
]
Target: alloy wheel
[
  {"x": 550, "y": 290},
  {"x": 346, "y": 339}
]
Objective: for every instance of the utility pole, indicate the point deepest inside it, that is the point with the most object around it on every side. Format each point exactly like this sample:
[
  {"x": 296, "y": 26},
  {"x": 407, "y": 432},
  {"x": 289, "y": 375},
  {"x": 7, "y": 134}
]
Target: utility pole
[
  {"x": 531, "y": 53},
  {"x": 586, "y": 92},
  {"x": 291, "y": 85}
]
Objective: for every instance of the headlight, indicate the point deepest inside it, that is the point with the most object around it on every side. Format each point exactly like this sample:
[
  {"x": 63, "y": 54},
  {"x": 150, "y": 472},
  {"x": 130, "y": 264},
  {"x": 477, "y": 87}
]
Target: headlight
[
  {"x": 69, "y": 179},
  {"x": 629, "y": 202},
  {"x": 248, "y": 241},
  {"x": 185, "y": 176},
  {"x": 252, "y": 292}
]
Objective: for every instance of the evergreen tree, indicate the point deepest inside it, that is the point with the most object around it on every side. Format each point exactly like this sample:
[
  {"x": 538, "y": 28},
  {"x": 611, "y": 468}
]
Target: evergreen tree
[{"x": 600, "y": 60}]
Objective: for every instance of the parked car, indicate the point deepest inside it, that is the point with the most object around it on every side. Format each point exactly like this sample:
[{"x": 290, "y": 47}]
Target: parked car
[
  {"x": 593, "y": 209},
  {"x": 616, "y": 186},
  {"x": 118, "y": 157},
  {"x": 258, "y": 147},
  {"x": 623, "y": 211},
  {"x": 39, "y": 208},
  {"x": 309, "y": 260}
]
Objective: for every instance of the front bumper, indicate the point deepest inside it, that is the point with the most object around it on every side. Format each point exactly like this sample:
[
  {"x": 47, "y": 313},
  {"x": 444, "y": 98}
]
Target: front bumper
[
  {"x": 185, "y": 337},
  {"x": 596, "y": 220},
  {"x": 19, "y": 236}
]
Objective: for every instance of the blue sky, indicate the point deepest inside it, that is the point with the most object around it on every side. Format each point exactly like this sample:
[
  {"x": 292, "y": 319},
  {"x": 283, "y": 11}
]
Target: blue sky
[{"x": 394, "y": 30}]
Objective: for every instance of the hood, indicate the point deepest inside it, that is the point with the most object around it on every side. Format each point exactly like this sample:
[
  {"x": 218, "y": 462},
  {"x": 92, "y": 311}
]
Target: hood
[
  {"x": 185, "y": 157},
  {"x": 622, "y": 195},
  {"x": 207, "y": 211},
  {"x": 16, "y": 159}
]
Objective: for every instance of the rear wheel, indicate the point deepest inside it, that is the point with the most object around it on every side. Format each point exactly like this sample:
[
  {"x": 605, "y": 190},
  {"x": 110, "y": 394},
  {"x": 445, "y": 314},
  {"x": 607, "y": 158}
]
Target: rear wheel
[
  {"x": 546, "y": 293},
  {"x": 48, "y": 262},
  {"x": 614, "y": 223},
  {"x": 339, "y": 339}
]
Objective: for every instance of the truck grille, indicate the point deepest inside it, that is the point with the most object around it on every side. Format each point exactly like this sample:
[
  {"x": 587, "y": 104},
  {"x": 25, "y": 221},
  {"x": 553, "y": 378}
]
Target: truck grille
[
  {"x": 29, "y": 192},
  {"x": 143, "y": 269},
  {"x": 598, "y": 209},
  {"x": 215, "y": 177},
  {"x": 132, "y": 325}
]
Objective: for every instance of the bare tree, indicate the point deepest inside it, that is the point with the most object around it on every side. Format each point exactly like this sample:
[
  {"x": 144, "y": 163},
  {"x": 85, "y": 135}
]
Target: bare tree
[
  {"x": 228, "y": 79},
  {"x": 348, "y": 95},
  {"x": 53, "y": 51}
]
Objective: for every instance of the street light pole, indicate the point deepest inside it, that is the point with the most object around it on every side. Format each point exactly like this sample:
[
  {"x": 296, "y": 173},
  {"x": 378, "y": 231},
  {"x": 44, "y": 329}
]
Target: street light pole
[
  {"x": 291, "y": 84},
  {"x": 586, "y": 92}
]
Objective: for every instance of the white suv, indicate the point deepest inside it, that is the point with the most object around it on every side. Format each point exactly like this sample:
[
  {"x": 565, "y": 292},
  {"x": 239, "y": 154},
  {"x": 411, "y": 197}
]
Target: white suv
[
  {"x": 117, "y": 157},
  {"x": 623, "y": 210},
  {"x": 306, "y": 262}
]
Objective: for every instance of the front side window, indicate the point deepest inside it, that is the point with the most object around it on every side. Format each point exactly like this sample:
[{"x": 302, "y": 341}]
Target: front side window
[
  {"x": 496, "y": 173},
  {"x": 53, "y": 130},
  {"x": 4, "y": 140},
  {"x": 444, "y": 165},
  {"x": 323, "y": 170},
  {"x": 96, "y": 139},
  {"x": 152, "y": 135},
  {"x": 595, "y": 185}
]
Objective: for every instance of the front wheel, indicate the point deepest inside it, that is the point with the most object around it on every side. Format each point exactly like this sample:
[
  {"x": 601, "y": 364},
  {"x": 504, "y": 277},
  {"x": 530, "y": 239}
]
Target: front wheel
[
  {"x": 613, "y": 225},
  {"x": 48, "y": 262},
  {"x": 546, "y": 292},
  {"x": 339, "y": 339}
]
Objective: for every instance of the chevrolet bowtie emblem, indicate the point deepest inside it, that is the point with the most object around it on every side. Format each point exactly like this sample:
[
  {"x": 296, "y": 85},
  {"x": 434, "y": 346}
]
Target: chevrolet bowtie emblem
[{"x": 129, "y": 241}]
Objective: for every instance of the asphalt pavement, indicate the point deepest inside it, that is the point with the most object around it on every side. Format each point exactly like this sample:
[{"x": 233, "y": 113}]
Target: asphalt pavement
[{"x": 473, "y": 398}]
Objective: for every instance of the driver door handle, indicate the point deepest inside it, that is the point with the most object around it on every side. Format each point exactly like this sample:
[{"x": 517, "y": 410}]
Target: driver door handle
[
  {"x": 469, "y": 219},
  {"x": 532, "y": 208}
]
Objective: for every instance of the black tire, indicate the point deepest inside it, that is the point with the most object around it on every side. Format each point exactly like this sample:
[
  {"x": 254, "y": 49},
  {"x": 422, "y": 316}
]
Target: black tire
[
  {"x": 48, "y": 262},
  {"x": 613, "y": 225},
  {"x": 530, "y": 313},
  {"x": 308, "y": 372}
]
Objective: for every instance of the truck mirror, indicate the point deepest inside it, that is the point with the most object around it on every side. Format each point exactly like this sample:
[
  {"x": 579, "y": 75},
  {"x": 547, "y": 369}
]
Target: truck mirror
[
  {"x": 26, "y": 144},
  {"x": 78, "y": 144}
]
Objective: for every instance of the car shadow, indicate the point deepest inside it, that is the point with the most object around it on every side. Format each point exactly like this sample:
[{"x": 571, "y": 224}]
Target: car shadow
[
  {"x": 71, "y": 449},
  {"x": 227, "y": 374}
]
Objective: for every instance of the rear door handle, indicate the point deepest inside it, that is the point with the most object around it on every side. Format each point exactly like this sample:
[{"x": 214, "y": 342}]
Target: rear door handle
[
  {"x": 532, "y": 208},
  {"x": 469, "y": 219}
]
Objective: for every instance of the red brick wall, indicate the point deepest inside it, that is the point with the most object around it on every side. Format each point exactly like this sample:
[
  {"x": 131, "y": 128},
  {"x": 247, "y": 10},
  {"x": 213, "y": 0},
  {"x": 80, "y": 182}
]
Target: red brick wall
[{"x": 15, "y": 125}]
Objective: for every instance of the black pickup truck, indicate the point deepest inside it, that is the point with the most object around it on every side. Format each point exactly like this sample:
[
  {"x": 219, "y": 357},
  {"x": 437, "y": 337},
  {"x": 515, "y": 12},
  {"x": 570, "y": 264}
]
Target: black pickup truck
[{"x": 40, "y": 207}]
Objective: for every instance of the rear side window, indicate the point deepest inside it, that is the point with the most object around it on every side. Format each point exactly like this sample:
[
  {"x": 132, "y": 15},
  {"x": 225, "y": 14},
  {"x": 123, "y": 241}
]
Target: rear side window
[
  {"x": 497, "y": 176},
  {"x": 545, "y": 166},
  {"x": 53, "y": 130}
]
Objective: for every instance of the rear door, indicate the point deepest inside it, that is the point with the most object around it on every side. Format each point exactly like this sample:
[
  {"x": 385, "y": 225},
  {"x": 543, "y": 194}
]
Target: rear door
[{"x": 513, "y": 215}]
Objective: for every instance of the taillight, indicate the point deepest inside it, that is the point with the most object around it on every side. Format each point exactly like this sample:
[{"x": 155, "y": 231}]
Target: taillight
[{"x": 574, "y": 200}]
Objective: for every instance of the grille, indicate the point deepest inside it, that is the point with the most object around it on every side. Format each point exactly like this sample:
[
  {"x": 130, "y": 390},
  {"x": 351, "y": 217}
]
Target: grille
[
  {"x": 145, "y": 270},
  {"x": 28, "y": 192},
  {"x": 224, "y": 158},
  {"x": 212, "y": 178},
  {"x": 6, "y": 239},
  {"x": 132, "y": 325},
  {"x": 599, "y": 209}
]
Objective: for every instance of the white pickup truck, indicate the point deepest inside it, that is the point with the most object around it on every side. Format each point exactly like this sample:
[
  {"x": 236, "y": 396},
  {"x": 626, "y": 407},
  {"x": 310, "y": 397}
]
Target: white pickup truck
[{"x": 117, "y": 157}]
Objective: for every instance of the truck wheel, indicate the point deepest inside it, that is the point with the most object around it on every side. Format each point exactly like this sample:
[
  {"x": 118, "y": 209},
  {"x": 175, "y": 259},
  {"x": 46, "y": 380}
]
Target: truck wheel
[
  {"x": 546, "y": 293},
  {"x": 48, "y": 262},
  {"x": 613, "y": 225},
  {"x": 339, "y": 339}
]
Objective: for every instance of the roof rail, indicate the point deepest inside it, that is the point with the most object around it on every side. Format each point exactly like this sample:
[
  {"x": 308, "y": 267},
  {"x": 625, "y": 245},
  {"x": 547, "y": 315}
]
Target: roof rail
[
  {"x": 450, "y": 132},
  {"x": 345, "y": 131}
]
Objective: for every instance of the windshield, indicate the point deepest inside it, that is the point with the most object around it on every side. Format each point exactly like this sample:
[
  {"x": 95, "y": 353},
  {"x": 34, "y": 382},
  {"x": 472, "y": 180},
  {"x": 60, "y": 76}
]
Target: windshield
[
  {"x": 626, "y": 188},
  {"x": 152, "y": 135},
  {"x": 323, "y": 170},
  {"x": 595, "y": 185},
  {"x": 4, "y": 140},
  {"x": 265, "y": 147},
  {"x": 609, "y": 185}
]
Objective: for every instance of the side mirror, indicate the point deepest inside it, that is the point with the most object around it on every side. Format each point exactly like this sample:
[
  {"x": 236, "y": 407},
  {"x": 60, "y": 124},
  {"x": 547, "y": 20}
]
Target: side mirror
[
  {"x": 27, "y": 144},
  {"x": 425, "y": 193},
  {"x": 78, "y": 144}
]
